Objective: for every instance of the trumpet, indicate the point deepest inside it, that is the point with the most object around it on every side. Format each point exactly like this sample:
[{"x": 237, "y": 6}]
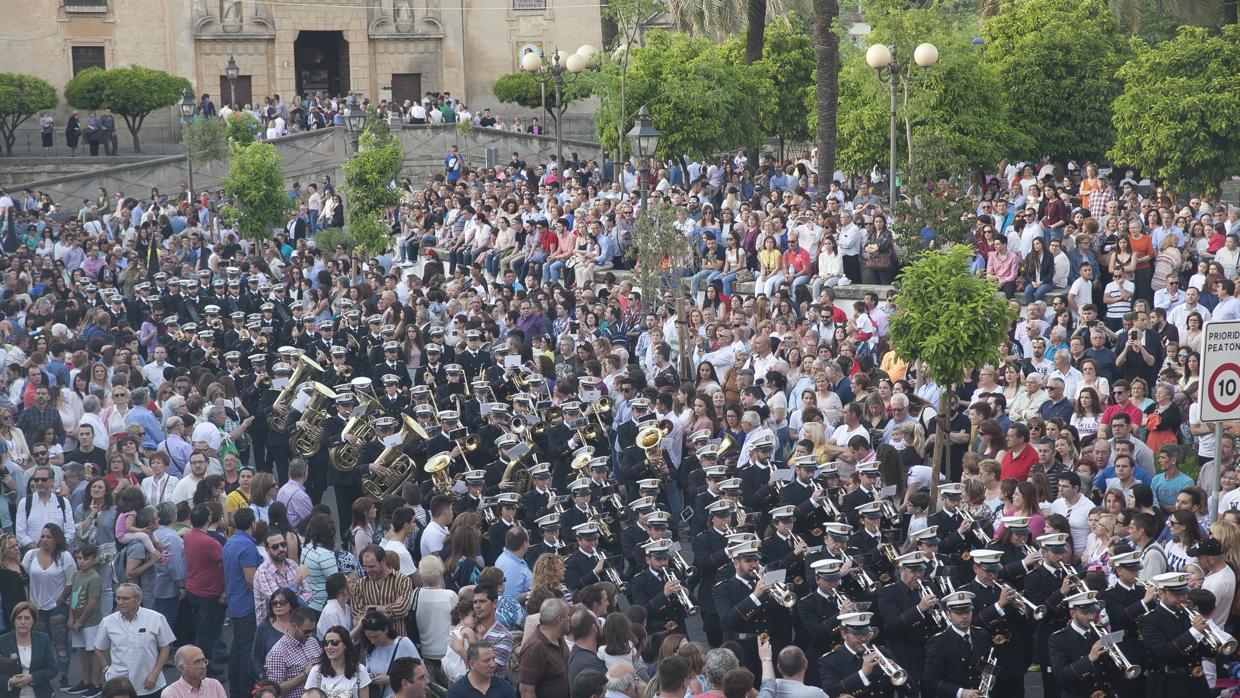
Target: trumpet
[
  {"x": 1075, "y": 582},
  {"x": 612, "y": 575},
  {"x": 1130, "y": 670},
  {"x": 937, "y": 615},
  {"x": 978, "y": 534},
  {"x": 1218, "y": 640},
  {"x": 682, "y": 595},
  {"x": 1024, "y": 606},
  {"x": 604, "y": 530},
  {"x": 827, "y": 507},
  {"x": 603, "y": 406},
  {"x": 894, "y": 672},
  {"x": 780, "y": 591},
  {"x": 889, "y": 508},
  {"x": 863, "y": 579},
  {"x": 682, "y": 569},
  {"x": 990, "y": 669}
]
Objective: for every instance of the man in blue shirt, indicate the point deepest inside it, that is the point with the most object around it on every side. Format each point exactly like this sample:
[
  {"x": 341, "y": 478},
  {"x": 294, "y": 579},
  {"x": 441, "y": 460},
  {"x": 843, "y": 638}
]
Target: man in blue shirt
[
  {"x": 241, "y": 559},
  {"x": 517, "y": 576},
  {"x": 452, "y": 165},
  {"x": 1171, "y": 480}
]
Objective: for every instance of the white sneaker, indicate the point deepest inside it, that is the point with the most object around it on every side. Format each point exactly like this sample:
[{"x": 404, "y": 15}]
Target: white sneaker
[{"x": 845, "y": 282}]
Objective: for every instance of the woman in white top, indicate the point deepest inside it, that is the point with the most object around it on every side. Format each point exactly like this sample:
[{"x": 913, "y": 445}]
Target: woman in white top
[
  {"x": 339, "y": 674},
  {"x": 16, "y": 449},
  {"x": 337, "y": 610},
  {"x": 619, "y": 644},
  {"x": 432, "y": 605},
  {"x": 51, "y": 570},
  {"x": 383, "y": 646},
  {"x": 830, "y": 267},
  {"x": 69, "y": 405}
]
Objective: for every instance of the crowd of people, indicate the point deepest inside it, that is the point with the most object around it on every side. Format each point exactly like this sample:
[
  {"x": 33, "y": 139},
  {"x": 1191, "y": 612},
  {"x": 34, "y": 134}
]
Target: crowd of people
[{"x": 472, "y": 465}]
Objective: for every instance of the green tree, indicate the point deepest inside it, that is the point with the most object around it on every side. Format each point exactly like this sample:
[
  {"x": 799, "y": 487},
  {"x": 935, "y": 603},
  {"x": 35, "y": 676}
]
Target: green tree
[
  {"x": 242, "y": 127},
  {"x": 719, "y": 19},
  {"x": 950, "y": 321},
  {"x": 255, "y": 180},
  {"x": 657, "y": 253},
  {"x": 698, "y": 92},
  {"x": 21, "y": 97},
  {"x": 131, "y": 92},
  {"x": 1056, "y": 60},
  {"x": 524, "y": 89},
  {"x": 788, "y": 63},
  {"x": 939, "y": 210},
  {"x": 1178, "y": 115},
  {"x": 368, "y": 188},
  {"x": 205, "y": 139}
]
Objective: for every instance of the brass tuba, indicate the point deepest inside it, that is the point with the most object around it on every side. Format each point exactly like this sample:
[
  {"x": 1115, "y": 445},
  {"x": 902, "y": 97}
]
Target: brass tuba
[
  {"x": 649, "y": 440},
  {"x": 307, "y": 442},
  {"x": 344, "y": 455},
  {"x": 437, "y": 466},
  {"x": 276, "y": 421},
  {"x": 399, "y": 465}
]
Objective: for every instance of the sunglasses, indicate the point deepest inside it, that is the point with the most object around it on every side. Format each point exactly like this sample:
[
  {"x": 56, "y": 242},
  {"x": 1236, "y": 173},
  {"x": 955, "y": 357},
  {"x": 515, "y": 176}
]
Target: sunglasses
[
  {"x": 279, "y": 602},
  {"x": 333, "y": 643},
  {"x": 39, "y": 479}
]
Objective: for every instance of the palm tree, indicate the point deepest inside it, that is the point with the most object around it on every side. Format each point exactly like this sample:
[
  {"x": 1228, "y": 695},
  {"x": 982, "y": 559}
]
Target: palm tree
[
  {"x": 717, "y": 19},
  {"x": 827, "y": 60},
  {"x": 1131, "y": 13}
]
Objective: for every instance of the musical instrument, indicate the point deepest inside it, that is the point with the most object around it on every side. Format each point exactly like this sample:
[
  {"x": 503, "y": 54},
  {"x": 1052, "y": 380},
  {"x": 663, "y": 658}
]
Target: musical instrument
[
  {"x": 308, "y": 441},
  {"x": 400, "y": 467},
  {"x": 1218, "y": 640},
  {"x": 650, "y": 441},
  {"x": 603, "y": 406},
  {"x": 727, "y": 445},
  {"x": 990, "y": 670},
  {"x": 277, "y": 420},
  {"x": 682, "y": 595},
  {"x": 604, "y": 531},
  {"x": 678, "y": 565},
  {"x": 1024, "y": 606},
  {"x": 1076, "y": 583},
  {"x": 863, "y": 578},
  {"x": 826, "y": 506},
  {"x": 937, "y": 615},
  {"x": 894, "y": 672},
  {"x": 780, "y": 591},
  {"x": 611, "y": 574},
  {"x": 468, "y": 444},
  {"x": 889, "y": 508},
  {"x": 974, "y": 528},
  {"x": 1130, "y": 670},
  {"x": 343, "y": 456},
  {"x": 441, "y": 477}
]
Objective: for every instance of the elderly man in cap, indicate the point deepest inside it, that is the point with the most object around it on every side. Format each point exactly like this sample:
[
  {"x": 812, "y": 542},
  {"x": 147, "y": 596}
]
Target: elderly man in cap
[
  {"x": 956, "y": 657},
  {"x": 853, "y": 668}
]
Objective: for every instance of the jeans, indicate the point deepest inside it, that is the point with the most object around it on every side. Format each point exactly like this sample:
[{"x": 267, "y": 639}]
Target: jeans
[
  {"x": 551, "y": 272},
  {"x": 706, "y": 275},
  {"x": 1035, "y": 293},
  {"x": 828, "y": 282},
  {"x": 239, "y": 680},
  {"x": 169, "y": 608},
  {"x": 314, "y": 221},
  {"x": 797, "y": 282},
  {"x": 208, "y": 621},
  {"x": 492, "y": 263},
  {"x": 56, "y": 624}
]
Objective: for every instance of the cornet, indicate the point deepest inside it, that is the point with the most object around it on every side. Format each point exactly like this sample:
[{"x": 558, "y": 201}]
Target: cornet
[
  {"x": 682, "y": 594},
  {"x": 937, "y": 615},
  {"x": 894, "y": 672},
  {"x": 1024, "y": 606},
  {"x": 780, "y": 592},
  {"x": 826, "y": 506},
  {"x": 978, "y": 534},
  {"x": 863, "y": 579},
  {"x": 1218, "y": 640},
  {"x": 1130, "y": 670}
]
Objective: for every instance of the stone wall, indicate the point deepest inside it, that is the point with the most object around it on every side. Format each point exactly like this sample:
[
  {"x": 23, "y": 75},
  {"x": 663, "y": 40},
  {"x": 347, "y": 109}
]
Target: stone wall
[{"x": 308, "y": 156}]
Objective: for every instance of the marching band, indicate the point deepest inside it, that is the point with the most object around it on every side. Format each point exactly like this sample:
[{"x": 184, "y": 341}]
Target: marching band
[{"x": 802, "y": 556}]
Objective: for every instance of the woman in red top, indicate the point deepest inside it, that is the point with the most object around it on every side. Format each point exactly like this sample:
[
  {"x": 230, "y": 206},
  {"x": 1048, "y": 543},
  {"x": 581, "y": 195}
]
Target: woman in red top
[{"x": 1143, "y": 248}]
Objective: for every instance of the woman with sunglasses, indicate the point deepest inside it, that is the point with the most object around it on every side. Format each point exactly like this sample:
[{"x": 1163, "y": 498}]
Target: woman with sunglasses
[
  {"x": 275, "y": 625},
  {"x": 339, "y": 674}
]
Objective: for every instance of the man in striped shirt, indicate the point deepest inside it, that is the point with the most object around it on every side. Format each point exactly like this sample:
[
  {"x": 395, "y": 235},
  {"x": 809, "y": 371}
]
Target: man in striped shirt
[{"x": 381, "y": 588}]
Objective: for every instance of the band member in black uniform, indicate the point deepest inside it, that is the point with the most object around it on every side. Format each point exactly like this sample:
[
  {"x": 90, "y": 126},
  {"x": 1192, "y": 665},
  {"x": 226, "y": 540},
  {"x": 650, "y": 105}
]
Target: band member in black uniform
[
  {"x": 252, "y": 396},
  {"x": 1080, "y": 662},
  {"x": 954, "y": 536},
  {"x": 800, "y": 492},
  {"x": 277, "y": 443},
  {"x": 550, "y": 544},
  {"x": 656, "y": 589},
  {"x": 1126, "y": 603},
  {"x": 602, "y": 488},
  {"x": 710, "y": 557},
  {"x": 1019, "y": 556},
  {"x": 745, "y": 604},
  {"x": 474, "y": 361},
  {"x": 394, "y": 403},
  {"x": 432, "y": 371},
  {"x": 817, "y": 613},
  {"x": 391, "y": 365},
  {"x": 938, "y": 574},
  {"x": 475, "y": 483},
  {"x": 867, "y": 478},
  {"x": 320, "y": 463},
  {"x": 536, "y": 502},
  {"x": 585, "y": 565},
  {"x": 868, "y": 544},
  {"x": 1049, "y": 585},
  {"x": 954, "y": 657},
  {"x": 758, "y": 493},
  {"x": 995, "y": 612},
  {"x": 853, "y": 669},
  {"x": 505, "y": 508},
  {"x": 637, "y": 531},
  {"x": 1175, "y": 642},
  {"x": 714, "y": 474},
  {"x": 782, "y": 549},
  {"x": 907, "y": 617},
  {"x": 451, "y": 391},
  {"x": 348, "y": 484},
  {"x": 579, "y": 512}
]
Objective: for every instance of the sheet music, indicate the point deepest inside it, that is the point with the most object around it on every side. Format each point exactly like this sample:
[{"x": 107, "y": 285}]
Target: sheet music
[{"x": 775, "y": 576}]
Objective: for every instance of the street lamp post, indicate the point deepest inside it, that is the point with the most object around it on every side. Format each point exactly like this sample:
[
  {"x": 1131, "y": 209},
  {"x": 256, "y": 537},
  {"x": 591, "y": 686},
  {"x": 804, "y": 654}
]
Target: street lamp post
[
  {"x": 644, "y": 141},
  {"x": 354, "y": 121},
  {"x": 880, "y": 57},
  {"x": 231, "y": 71},
  {"x": 554, "y": 71},
  {"x": 187, "y": 116}
]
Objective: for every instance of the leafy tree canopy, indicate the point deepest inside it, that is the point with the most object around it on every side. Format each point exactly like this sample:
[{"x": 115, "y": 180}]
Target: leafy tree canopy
[
  {"x": 242, "y": 127},
  {"x": 523, "y": 89},
  {"x": 788, "y": 63},
  {"x": 957, "y": 120},
  {"x": 1057, "y": 61},
  {"x": 205, "y": 139},
  {"x": 368, "y": 177},
  {"x": 699, "y": 95},
  {"x": 21, "y": 96},
  {"x": 131, "y": 92},
  {"x": 1178, "y": 115},
  {"x": 255, "y": 180}
]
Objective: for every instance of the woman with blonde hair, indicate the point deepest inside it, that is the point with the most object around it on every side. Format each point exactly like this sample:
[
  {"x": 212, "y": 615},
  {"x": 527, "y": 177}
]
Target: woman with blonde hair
[
  {"x": 548, "y": 573},
  {"x": 815, "y": 433},
  {"x": 1097, "y": 543},
  {"x": 1228, "y": 534}
]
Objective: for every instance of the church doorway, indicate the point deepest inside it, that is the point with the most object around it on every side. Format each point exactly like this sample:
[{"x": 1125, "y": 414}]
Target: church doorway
[{"x": 322, "y": 62}]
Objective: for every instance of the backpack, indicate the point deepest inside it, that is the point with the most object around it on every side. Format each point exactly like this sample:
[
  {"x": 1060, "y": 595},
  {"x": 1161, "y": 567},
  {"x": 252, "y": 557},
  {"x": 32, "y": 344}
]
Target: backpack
[
  {"x": 119, "y": 563},
  {"x": 30, "y": 501}
]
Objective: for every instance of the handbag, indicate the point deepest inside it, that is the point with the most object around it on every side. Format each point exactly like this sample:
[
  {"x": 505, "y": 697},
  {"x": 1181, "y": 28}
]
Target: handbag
[
  {"x": 411, "y": 621},
  {"x": 744, "y": 276},
  {"x": 879, "y": 261}
]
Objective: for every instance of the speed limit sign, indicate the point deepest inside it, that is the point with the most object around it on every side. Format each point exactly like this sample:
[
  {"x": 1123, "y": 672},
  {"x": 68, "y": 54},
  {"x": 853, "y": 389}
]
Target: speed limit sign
[{"x": 1220, "y": 371}]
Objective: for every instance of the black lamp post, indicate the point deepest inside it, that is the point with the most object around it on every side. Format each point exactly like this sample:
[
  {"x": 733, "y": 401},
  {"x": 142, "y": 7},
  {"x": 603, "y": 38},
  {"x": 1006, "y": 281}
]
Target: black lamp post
[
  {"x": 231, "y": 71},
  {"x": 187, "y": 116},
  {"x": 643, "y": 141},
  {"x": 354, "y": 121},
  {"x": 881, "y": 58}
]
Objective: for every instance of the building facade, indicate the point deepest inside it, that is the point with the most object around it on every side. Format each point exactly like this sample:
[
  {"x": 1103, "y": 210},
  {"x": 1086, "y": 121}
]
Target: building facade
[{"x": 377, "y": 48}]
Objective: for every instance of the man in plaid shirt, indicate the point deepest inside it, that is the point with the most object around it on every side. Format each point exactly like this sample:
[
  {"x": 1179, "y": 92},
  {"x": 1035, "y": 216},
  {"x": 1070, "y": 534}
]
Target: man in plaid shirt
[
  {"x": 1098, "y": 200},
  {"x": 288, "y": 664}
]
